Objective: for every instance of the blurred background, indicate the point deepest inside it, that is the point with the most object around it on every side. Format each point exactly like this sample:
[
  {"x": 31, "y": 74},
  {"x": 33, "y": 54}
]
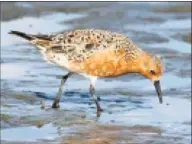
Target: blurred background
[{"x": 132, "y": 113}]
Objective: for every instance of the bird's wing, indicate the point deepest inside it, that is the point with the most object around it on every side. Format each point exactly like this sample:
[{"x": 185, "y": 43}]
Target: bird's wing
[{"x": 81, "y": 44}]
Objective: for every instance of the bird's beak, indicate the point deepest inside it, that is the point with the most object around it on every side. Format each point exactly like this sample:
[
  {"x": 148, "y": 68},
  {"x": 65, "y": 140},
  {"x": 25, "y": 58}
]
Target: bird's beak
[{"x": 158, "y": 90}]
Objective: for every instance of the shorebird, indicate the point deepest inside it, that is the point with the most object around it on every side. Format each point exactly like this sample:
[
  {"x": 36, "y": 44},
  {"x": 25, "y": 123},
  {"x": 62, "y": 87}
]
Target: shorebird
[{"x": 94, "y": 54}]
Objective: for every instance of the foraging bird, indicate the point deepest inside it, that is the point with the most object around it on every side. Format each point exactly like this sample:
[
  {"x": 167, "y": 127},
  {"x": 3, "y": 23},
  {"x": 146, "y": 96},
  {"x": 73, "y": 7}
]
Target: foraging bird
[{"x": 94, "y": 54}]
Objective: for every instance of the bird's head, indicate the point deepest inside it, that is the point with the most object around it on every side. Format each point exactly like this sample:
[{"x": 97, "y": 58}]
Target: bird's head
[{"x": 152, "y": 68}]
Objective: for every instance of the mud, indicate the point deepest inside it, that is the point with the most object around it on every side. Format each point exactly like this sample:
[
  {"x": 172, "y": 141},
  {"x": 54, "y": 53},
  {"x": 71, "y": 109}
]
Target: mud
[{"x": 132, "y": 113}]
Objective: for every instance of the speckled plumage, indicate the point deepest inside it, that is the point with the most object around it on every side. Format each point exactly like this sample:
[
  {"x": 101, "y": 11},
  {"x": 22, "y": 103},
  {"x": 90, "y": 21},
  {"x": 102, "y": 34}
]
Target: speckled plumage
[{"x": 78, "y": 45}]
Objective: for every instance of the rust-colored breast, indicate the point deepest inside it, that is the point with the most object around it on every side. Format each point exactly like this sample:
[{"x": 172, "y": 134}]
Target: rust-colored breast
[{"x": 106, "y": 64}]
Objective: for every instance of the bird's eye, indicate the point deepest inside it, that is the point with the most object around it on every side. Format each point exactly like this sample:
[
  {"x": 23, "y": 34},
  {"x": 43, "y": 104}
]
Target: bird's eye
[{"x": 152, "y": 72}]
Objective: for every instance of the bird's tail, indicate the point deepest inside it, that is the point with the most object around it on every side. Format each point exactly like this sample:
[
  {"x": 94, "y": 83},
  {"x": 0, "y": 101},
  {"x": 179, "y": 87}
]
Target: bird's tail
[
  {"x": 40, "y": 41},
  {"x": 23, "y": 35}
]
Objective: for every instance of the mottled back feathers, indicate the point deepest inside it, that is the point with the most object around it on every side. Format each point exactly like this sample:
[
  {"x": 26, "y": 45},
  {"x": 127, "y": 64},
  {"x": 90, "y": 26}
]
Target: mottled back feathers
[{"x": 78, "y": 45}]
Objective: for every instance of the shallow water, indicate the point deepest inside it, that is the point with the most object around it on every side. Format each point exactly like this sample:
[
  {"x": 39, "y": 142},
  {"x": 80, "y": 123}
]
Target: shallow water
[{"x": 132, "y": 113}]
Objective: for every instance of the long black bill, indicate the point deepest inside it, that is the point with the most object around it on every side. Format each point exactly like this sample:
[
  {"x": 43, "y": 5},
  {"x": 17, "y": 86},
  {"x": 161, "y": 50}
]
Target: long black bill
[{"x": 158, "y": 90}]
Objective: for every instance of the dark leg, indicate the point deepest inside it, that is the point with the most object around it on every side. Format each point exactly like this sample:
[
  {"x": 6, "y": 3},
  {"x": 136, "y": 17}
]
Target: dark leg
[
  {"x": 59, "y": 93},
  {"x": 92, "y": 91}
]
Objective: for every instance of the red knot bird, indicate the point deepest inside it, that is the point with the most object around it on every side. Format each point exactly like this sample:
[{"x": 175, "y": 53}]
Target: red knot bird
[{"x": 95, "y": 54}]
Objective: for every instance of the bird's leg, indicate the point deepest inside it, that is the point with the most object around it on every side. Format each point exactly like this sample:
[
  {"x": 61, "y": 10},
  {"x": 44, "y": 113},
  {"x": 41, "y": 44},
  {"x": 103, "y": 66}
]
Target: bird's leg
[
  {"x": 95, "y": 98},
  {"x": 59, "y": 93}
]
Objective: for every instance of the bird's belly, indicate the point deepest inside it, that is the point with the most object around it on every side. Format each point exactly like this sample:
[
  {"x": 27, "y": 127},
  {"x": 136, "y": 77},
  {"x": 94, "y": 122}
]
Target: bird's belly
[{"x": 58, "y": 60}]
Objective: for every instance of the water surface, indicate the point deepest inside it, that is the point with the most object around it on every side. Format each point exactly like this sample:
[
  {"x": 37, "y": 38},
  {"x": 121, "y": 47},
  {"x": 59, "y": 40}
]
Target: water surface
[{"x": 132, "y": 113}]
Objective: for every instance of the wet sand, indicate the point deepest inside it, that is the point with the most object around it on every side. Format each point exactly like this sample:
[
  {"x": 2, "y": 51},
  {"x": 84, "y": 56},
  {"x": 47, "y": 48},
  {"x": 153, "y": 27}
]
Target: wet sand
[{"x": 132, "y": 113}]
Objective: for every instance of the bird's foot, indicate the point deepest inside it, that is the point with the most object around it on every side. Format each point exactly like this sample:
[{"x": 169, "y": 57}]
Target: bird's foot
[
  {"x": 99, "y": 110},
  {"x": 55, "y": 104}
]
